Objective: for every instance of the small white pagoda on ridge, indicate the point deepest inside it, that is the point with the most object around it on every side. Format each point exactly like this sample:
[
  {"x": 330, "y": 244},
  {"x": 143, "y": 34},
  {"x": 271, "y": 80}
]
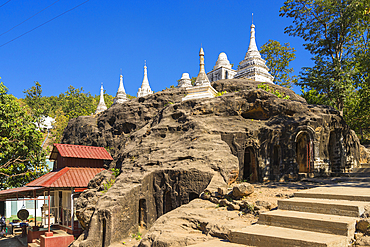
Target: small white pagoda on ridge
[
  {"x": 121, "y": 96},
  {"x": 222, "y": 69},
  {"x": 253, "y": 66},
  {"x": 202, "y": 87},
  {"x": 144, "y": 90},
  {"x": 101, "y": 106},
  {"x": 185, "y": 81}
]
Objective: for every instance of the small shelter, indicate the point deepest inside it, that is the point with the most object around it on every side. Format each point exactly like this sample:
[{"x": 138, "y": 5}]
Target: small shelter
[{"x": 74, "y": 167}]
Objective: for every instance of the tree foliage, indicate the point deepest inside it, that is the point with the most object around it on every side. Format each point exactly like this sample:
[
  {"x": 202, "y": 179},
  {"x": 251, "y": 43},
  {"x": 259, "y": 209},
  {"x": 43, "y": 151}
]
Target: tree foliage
[
  {"x": 277, "y": 58},
  {"x": 71, "y": 104},
  {"x": 330, "y": 29},
  {"x": 336, "y": 33},
  {"x": 21, "y": 157}
]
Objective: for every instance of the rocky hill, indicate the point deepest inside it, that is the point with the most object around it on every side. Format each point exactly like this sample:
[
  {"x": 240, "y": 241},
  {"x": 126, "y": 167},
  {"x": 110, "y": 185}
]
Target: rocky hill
[{"x": 169, "y": 152}]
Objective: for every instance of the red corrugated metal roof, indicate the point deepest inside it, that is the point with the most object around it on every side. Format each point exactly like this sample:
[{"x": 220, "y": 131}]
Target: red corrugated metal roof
[
  {"x": 67, "y": 177},
  {"x": 20, "y": 192},
  {"x": 79, "y": 151}
]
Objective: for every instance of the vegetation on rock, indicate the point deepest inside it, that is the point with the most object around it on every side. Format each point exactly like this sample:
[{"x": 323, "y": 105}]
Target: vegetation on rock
[{"x": 272, "y": 90}]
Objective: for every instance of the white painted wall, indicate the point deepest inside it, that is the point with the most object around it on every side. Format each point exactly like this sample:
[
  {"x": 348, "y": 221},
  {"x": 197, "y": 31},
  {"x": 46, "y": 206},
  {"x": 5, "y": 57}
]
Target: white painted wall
[{"x": 12, "y": 207}]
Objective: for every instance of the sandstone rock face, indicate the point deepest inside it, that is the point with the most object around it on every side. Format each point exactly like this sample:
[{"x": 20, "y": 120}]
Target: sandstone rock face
[
  {"x": 363, "y": 241},
  {"x": 85, "y": 206},
  {"x": 196, "y": 222},
  {"x": 171, "y": 151}
]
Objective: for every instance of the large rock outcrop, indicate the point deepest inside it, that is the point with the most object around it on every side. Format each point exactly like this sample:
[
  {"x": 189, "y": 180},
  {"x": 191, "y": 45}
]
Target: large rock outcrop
[{"x": 169, "y": 151}]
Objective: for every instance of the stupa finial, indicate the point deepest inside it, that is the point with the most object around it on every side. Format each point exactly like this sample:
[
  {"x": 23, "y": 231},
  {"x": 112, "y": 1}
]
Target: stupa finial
[
  {"x": 145, "y": 88},
  {"x": 101, "y": 106}
]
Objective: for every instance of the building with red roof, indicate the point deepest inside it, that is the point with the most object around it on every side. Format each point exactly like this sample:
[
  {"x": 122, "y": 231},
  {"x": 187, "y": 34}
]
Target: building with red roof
[{"x": 74, "y": 167}]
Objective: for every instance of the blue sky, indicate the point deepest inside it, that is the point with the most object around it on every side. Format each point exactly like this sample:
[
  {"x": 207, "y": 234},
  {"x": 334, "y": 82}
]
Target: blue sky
[{"x": 93, "y": 42}]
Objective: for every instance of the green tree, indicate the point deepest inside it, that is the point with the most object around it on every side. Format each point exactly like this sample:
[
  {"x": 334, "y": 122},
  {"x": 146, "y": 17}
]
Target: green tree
[
  {"x": 277, "y": 58},
  {"x": 21, "y": 157},
  {"x": 33, "y": 99},
  {"x": 330, "y": 29}
]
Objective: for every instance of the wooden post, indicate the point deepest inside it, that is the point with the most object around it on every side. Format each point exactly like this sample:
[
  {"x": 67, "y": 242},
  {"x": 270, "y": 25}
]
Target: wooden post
[
  {"x": 34, "y": 196},
  {"x": 49, "y": 211},
  {"x": 72, "y": 213}
]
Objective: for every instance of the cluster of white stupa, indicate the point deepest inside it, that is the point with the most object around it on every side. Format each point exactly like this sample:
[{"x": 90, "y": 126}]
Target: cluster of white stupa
[
  {"x": 252, "y": 67},
  {"x": 121, "y": 96}
]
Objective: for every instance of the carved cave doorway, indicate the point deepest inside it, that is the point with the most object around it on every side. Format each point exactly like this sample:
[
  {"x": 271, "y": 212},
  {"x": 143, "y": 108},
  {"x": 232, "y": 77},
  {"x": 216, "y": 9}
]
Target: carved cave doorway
[
  {"x": 193, "y": 196},
  {"x": 304, "y": 152},
  {"x": 334, "y": 152},
  {"x": 250, "y": 166},
  {"x": 167, "y": 202},
  {"x": 275, "y": 164},
  {"x": 104, "y": 231},
  {"x": 142, "y": 213}
]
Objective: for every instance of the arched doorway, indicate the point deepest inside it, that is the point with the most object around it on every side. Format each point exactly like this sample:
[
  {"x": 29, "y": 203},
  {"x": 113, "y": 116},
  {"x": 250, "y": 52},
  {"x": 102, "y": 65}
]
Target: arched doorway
[
  {"x": 167, "y": 202},
  {"x": 142, "y": 213},
  {"x": 334, "y": 152},
  {"x": 304, "y": 152},
  {"x": 104, "y": 231},
  {"x": 275, "y": 164},
  {"x": 250, "y": 173}
]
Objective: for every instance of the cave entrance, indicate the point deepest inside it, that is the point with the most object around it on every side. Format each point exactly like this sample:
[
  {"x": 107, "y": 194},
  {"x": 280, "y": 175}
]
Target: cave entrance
[
  {"x": 250, "y": 166},
  {"x": 334, "y": 152},
  {"x": 304, "y": 152},
  {"x": 142, "y": 213},
  {"x": 275, "y": 165},
  {"x": 193, "y": 196},
  {"x": 104, "y": 231},
  {"x": 167, "y": 202}
]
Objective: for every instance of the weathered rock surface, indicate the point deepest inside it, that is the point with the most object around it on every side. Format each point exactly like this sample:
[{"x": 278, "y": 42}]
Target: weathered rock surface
[
  {"x": 194, "y": 223},
  {"x": 363, "y": 241},
  {"x": 171, "y": 151},
  {"x": 242, "y": 189},
  {"x": 88, "y": 199}
]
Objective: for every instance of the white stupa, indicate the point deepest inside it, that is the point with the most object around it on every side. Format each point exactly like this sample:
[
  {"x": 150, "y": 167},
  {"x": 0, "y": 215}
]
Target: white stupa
[
  {"x": 144, "y": 90},
  {"x": 184, "y": 81},
  {"x": 121, "y": 96},
  {"x": 222, "y": 69},
  {"x": 202, "y": 87},
  {"x": 253, "y": 66},
  {"x": 101, "y": 106}
]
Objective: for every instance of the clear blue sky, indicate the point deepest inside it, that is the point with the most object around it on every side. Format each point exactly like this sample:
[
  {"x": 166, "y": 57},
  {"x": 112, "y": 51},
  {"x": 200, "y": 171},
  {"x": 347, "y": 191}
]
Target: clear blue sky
[{"x": 91, "y": 43}]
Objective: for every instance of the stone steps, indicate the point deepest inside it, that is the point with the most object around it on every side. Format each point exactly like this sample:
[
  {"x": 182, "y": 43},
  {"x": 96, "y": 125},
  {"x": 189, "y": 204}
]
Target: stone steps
[
  {"x": 324, "y": 223},
  {"x": 33, "y": 245},
  {"x": 267, "y": 236},
  {"x": 350, "y": 193},
  {"x": 360, "y": 172},
  {"x": 323, "y": 206},
  {"x": 217, "y": 243},
  {"x": 365, "y": 165},
  {"x": 322, "y": 216}
]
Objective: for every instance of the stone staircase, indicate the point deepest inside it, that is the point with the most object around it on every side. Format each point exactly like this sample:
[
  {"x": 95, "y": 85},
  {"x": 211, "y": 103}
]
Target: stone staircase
[{"x": 322, "y": 216}]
